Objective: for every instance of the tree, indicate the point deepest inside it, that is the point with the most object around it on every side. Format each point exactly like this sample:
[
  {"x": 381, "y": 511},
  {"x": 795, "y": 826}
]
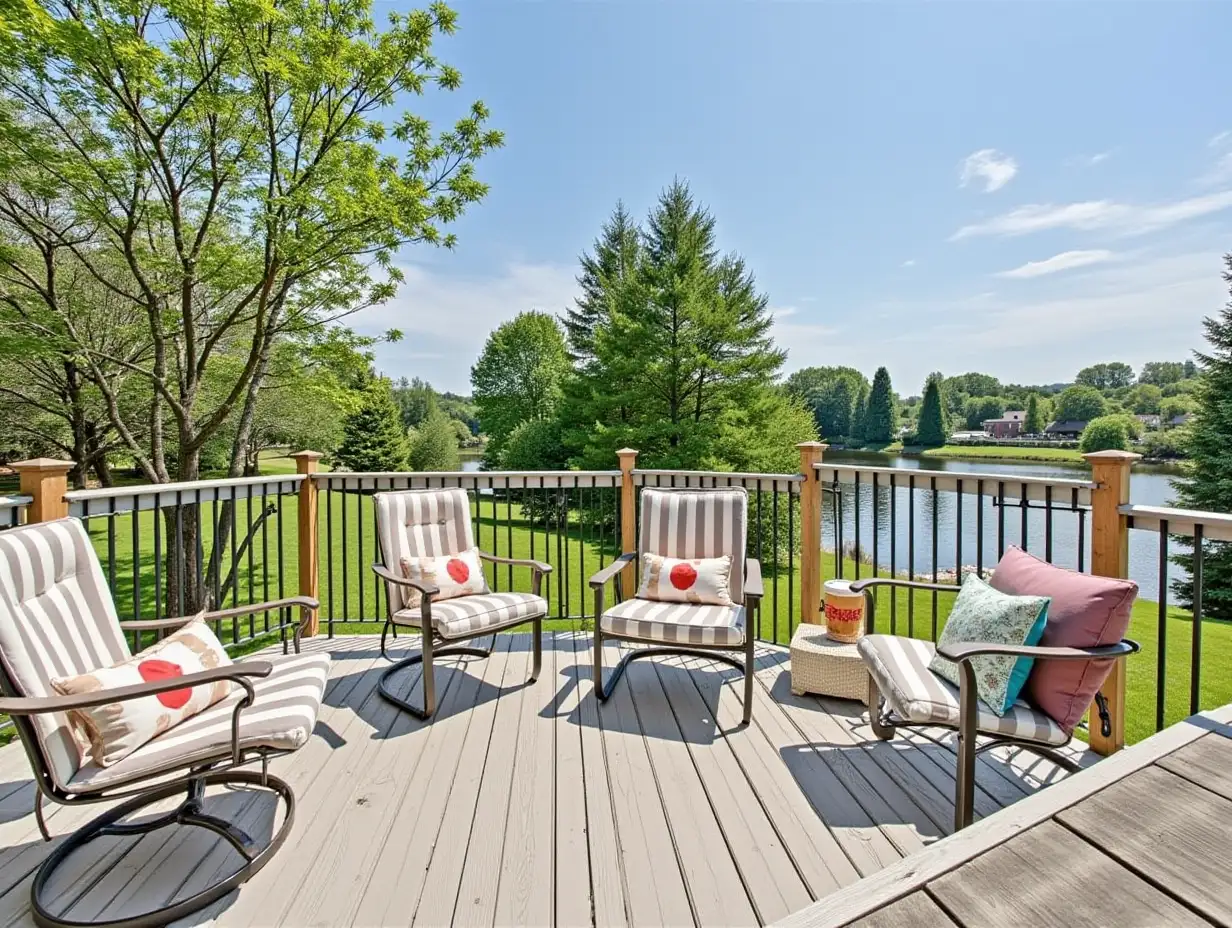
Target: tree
[
  {"x": 414, "y": 398},
  {"x": 1175, "y": 406},
  {"x": 880, "y": 422},
  {"x": 1162, "y": 373},
  {"x": 832, "y": 408},
  {"x": 685, "y": 339},
  {"x": 613, "y": 261},
  {"x": 931, "y": 430},
  {"x": 979, "y": 408},
  {"x": 1107, "y": 376},
  {"x": 1080, "y": 404},
  {"x": 973, "y": 385},
  {"x": 1035, "y": 421},
  {"x": 373, "y": 438},
  {"x": 535, "y": 444},
  {"x": 518, "y": 375},
  {"x": 435, "y": 444},
  {"x": 807, "y": 381},
  {"x": 859, "y": 415},
  {"x": 228, "y": 173},
  {"x": 1105, "y": 433},
  {"x": 1144, "y": 399}
]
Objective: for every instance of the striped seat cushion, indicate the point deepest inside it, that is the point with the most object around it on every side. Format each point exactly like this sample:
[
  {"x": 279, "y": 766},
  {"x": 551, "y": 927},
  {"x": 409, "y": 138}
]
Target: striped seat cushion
[
  {"x": 676, "y": 623},
  {"x": 470, "y": 615},
  {"x": 281, "y": 718},
  {"x": 916, "y": 694}
]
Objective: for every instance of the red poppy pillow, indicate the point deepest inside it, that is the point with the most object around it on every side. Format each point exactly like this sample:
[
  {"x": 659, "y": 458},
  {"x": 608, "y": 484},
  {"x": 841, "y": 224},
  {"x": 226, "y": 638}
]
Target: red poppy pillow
[
  {"x": 703, "y": 581},
  {"x": 453, "y": 574},
  {"x": 114, "y": 730}
]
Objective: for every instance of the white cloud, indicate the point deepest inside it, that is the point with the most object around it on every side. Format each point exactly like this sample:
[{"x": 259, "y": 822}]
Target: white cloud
[
  {"x": 1123, "y": 218},
  {"x": 1088, "y": 161},
  {"x": 910, "y": 262},
  {"x": 1220, "y": 138},
  {"x": 445, "y": 318},
  {"x": 1065, "y": 261},
  {"x": 995, "y": 169}
]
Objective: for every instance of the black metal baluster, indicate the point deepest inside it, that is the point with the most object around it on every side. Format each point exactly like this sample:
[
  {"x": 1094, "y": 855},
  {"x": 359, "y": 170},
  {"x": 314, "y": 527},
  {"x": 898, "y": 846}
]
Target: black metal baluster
[
  {"x": 1048, "y": 523},
  {"x": 935, "y": 519},
  {"x": 509, "y": 531},
  {"x": 774, "y": 547},
  {"x": 235, "y": 567},
  {"x": 979, "y": 528},
  {"x": 911, "y": 554},
  {"x": 1161, "y": 674},
  {"x": 1000, "y": 518},
  {"x": 359, "y": 537},
  {"x": 1195, "y": 657},
  {"x": 136, "y": 532},
  {"x": 876, "y": 527},
  {"x": 958, "y": 535},
  {"x": 346, "y": 605},
  {"x": 111, "y": 545},
  {"x": 1082, "y": 527},
  {"x": 378, "y": 588},
  {"x": 329, "y": 548},
  {"x": 856, "y": 504},
  {"x": 893, "y": 552},
  {"x": 179, "y": 552},
  {"x": 1022, "y": 531},
  {"x": 265, "y": 595},
  {"x": 158, "y": 557},
  {"x": 791, "y": 560},
  {"x": 564, "y": 535}
]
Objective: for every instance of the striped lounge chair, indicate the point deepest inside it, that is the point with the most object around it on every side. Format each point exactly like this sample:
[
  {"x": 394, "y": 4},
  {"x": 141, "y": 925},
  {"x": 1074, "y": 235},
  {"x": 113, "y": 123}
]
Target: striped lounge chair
[
  {"x": 57, "y": 619},
  {"x": 434, "y": 523},
  {"x": 684, "y": 524}
]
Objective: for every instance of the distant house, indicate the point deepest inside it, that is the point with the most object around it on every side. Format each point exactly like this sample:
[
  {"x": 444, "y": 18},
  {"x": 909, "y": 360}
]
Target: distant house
[
  {"x": 1071, "y": 429},
  {"x": 1182, "y": 419},
  {"x": 1008, "y": 426},
  {"x": 1149, "y": 422}
]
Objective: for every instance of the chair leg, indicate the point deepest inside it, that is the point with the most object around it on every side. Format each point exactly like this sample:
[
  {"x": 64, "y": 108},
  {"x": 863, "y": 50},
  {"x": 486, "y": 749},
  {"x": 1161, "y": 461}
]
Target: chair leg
[
  {"x": 427, "y": 657},
  {"x": 964, "y": 788},
  {"x": 537, "y": 632},
  {"x": 598, "y": 665},
  {"x": 881, "y": 730},
  {"x": 385, "y": 631},
  {"x": 749, "y": 662},
  {"x": 429, "y": 678}
]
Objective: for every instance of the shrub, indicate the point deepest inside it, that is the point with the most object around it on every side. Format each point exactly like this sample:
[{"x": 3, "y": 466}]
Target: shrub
[{"x": 1104, "y": 434}]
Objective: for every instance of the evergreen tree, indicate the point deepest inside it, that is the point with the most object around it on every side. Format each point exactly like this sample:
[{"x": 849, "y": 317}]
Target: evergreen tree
[
  {"x": 858, "y": 415},
  {"x": 930, "y": 429},
  {"x": 1209, "y": 443},
  {"x": 1034, "y": 423},
  {"x": 373, "y": 438},
  {"x": 612, "y": 262},
  {"x": 435, "y": 445},
  {"x": 842, "y": 409},
  {"x": 880, "y": 421}
]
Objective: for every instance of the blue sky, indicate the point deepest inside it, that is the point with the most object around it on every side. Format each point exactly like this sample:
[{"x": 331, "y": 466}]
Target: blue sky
[{"x": 1021, "y": 188}]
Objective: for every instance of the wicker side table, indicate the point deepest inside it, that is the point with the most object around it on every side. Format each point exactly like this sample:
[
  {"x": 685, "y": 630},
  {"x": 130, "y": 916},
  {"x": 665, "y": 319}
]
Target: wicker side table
[{"x": 822, "y": 666}]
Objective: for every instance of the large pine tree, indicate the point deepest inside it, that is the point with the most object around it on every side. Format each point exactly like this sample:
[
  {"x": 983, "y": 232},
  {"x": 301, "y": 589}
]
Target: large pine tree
[
  {"x": 931, "y": 429},
  {"x": 1208, "y": 483},
  {"x": 859, "y": 414},
  {"x": 373, "y": 438},
  {"x": 605, "y": 269},
  {"x": 880, "y": 418},
  {"x": 1034, "y": 423}
]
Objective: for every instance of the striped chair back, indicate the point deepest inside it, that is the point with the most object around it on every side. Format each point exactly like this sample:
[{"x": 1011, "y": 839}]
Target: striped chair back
[
  {"x": 697, "y": 523},
  {"x": 421, "y": 523},
  {"x": 57, "y": 619}
]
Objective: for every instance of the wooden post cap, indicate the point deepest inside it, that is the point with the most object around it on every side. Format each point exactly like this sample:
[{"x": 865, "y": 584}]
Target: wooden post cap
[
  {"x": 1111, "y": 456},
  {"x": 43, "y": 466},
  {"x": 306, "y": 461},
  {"x": 819, "y": 445},
  {"x": 626, "y": 453}
]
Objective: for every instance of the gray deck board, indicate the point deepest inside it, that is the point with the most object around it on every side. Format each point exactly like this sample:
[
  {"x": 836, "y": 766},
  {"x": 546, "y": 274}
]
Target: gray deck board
[{"x": 531, "y": 804}]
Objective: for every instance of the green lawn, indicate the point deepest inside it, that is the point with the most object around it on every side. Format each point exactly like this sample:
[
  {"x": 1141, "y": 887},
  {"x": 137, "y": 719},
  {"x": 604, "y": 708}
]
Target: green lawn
[
  {"x": 1003, "y": 453},
  {"x": 349, "y": 590}
]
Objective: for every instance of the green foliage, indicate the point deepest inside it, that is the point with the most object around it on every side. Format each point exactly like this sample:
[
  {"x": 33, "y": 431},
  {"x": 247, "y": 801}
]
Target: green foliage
[
  {"x": 535, "y": 444},
  {"x": 809, "y": 380},
  {"x": 832, "y": 408},
  {"x": 973, "y": 385},
  {"x": 979, "y": 408},
  {"x": 1105, "y": 433},
  {"x": 683, "y": 339},
  {"x": 1175, "y": 406},
  {"x": 1208, "y": 481},
  {"x": 612, "y": 262},
  {"x": 519, "y": 375},
  {"x": 881, "y": 421},
  {"x": 1144, "y": 399},
  {"x": 372, "y": 436},
  {"x": 859, "y": 416},
  {"x": 931, "y": 429},
  {"x": 760, "y": 435},
  {"x": 414, "y": 398},
  {"x": 1161, "y": 445},
  {"x": 1106, "y": 376},
  {"x": 1036, "y": 419},
  {"x": 434, "y": 445},
  {"x": 1080, "y": 403},
  {"x": 1162, "y": 373}
]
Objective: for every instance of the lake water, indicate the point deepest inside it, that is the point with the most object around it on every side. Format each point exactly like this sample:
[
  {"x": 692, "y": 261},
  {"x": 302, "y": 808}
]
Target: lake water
[{"x": 1149, "y": 485}]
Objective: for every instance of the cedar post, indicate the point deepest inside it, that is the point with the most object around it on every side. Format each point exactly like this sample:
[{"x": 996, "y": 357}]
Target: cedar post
[
  {"x": 1110, "y": 558},
  {"x": 309, "y": 575},
  {"x": 46, "y": 480},
  {"x": 810, "y": 531},
  {"x": 628, "y": 515}
]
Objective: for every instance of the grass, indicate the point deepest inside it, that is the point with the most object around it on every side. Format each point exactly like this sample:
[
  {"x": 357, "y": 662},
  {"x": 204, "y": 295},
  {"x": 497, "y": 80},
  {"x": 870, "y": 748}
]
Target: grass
[{"x": 1004, "y": 453}]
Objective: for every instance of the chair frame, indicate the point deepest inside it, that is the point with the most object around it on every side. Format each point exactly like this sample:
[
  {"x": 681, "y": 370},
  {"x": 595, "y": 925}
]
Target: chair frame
[
  {"x": 435, "y": 645},
  {"x": 753, "y": 593},
  {"x": 221, "y": 768},
  {"x": 884, "y": 722}
]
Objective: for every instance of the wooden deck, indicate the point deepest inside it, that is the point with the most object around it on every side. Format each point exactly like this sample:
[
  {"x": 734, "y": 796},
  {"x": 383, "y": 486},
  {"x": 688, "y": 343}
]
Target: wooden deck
[{"x": 532, "y": 805}]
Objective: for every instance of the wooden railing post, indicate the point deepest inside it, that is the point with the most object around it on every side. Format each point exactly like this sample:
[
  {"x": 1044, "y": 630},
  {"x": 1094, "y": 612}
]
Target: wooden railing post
[
  {"x": 628, "y": 515},
  {"x": 1110, "y": 558},
  {"x": 810, "y": 531},
  {"x": 45, "y": 479},
  {"x": 309, "y": 573}
]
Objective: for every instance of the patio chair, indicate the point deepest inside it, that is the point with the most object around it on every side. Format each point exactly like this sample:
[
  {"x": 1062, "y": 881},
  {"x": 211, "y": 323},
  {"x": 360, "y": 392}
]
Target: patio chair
[
  {"x": 905, "y": 693},
  {"x": 684, "y": 524},
  {"x": 435, "y": 523},
  {"x": 57, "y": 619}
]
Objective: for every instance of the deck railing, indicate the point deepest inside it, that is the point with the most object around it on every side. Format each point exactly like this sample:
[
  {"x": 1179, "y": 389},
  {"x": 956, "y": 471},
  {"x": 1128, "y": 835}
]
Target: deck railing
[{"x": 174, "y": 548}]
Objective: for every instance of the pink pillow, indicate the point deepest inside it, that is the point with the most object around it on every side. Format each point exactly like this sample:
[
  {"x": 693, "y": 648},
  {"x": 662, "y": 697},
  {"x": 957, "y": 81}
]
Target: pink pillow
[{"x": 1086, "y": 611}]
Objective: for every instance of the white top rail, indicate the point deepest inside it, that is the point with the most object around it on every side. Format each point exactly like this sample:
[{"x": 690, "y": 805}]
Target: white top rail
[
  {"x": 1063, "y": 494},
  {"x": 107, "y": 500},
  {"x": 1215, "y": 525},
  {"x": 705, "y": 479},
  {"x": 469, "y": 480},
  {"x": 15, "y": 502}
]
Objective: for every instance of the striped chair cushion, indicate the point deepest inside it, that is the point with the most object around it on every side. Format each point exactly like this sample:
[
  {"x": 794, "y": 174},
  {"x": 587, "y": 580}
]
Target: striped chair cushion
[
  {"x": 900, "y": 667},
  {"x": 421, "y": 523},
  {"x": 676, "y": 623},
  {"x": 697, "y": 523},
  {"x": 470, "y": 615},
  {"x": 57, "y": 619},
  {"x": 281, "y": 718}
]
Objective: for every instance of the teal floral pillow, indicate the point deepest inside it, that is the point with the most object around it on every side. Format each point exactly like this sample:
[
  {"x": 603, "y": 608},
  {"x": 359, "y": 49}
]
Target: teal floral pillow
[{"x": 981, "y": 613}]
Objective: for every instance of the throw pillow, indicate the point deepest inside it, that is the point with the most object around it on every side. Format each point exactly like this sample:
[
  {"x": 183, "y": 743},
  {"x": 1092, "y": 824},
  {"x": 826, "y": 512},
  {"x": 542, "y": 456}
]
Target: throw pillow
[
  {"x": 1085, "y": 612},
  {"x": 115, "y": 730},
  {"x": 454, "y": 575},
  {"x": 983, "y": 614},
  {"x": 704, "y": 580}
]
